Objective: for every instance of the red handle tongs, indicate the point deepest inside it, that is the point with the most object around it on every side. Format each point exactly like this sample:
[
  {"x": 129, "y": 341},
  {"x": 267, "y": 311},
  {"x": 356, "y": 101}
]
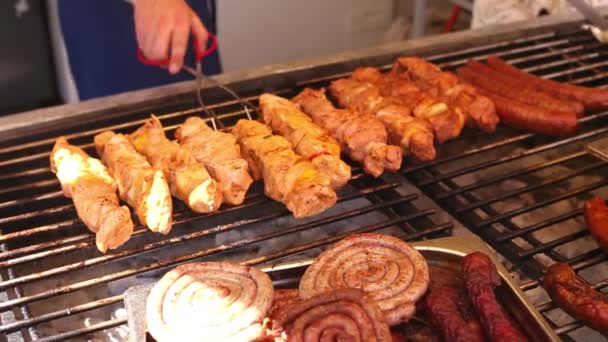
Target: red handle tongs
[
  {"x": 197, "y": 71},
  {"x": 165, "y": 62}
]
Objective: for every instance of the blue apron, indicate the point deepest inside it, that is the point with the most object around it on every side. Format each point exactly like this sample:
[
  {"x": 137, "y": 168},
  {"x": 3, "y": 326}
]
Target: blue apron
[{"x": 101, "y": 45}]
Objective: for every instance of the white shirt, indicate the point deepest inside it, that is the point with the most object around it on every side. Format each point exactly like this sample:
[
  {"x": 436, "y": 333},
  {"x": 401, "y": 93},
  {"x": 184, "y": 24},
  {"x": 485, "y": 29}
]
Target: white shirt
[{"x": 491, "y": 12}]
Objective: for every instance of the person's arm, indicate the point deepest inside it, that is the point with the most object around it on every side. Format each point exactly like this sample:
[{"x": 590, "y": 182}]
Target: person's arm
[{"x": 163, "y": 28}]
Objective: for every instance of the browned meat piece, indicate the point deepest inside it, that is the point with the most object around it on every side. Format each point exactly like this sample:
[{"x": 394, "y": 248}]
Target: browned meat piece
[
  {"x": 447, "y": 123},
  {"x": 220, "y": 154},
  {"x": 362, "y": 136},
  {"x": 288, "y": 178},
  {"x": 87, "y": 182},
  {"x": 188, "y": 179},
  {"x": 413, "y": 135},
  {"x": 142, "y": 187},
  {"x": 307, "y": 138},
  {"x": 446, "y": 87}
]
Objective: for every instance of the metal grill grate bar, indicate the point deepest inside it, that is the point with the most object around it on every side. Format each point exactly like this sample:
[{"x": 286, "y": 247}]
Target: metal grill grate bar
[
  {"x": 540, "y": 185},
  {"x": 519, "y": 155}
]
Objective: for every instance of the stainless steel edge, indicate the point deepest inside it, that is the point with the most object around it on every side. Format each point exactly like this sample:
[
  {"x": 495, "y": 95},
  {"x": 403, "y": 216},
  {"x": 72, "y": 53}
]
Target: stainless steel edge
[{"x": 40, "y": 120}]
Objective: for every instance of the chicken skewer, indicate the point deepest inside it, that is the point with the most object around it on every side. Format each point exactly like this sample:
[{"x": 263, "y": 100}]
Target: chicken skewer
[
  {"x": 142, "y": 187},
  {"x": 288, "y": 178},
  {"x": 479, "y": 109},
  {"x": 413, "y": 135},
  {"x": 447, "y": 123},
  {"x": 220, "y": 154},
  {"x": 87, "y": 182},
  {"x": 307, "y": 138},
  {"x": 188, "y": 179},
  {"x": 363, "y": 136}
]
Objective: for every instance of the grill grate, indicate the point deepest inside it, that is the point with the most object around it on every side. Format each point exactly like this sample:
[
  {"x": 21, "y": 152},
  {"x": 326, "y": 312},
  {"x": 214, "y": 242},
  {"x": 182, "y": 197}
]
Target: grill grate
[
  {"x": 520, "y": 192},
  {"x": 523, "y": 194},
  {"x": 60, "y": 287}
]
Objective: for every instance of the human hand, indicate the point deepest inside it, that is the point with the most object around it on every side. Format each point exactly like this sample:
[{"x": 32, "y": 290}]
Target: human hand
[{"x": 163, "y": 28}]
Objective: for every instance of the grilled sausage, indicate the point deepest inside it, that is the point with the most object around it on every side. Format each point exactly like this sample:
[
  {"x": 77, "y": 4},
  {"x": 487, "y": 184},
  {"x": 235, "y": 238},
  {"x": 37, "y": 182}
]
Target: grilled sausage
[
  {"x": 592, "y": 98},
  {"x": 345, "y": 314},
  {"x": 530, "y": 118},
  {"x": 452, "y": 315},
  {"x": 576, "y": 297},
  {"x": 480, "y": 278},
  {"x": 489, "y": 79},
  {"x": 596, "y": 216},
  {"x": 390, "y": 271}
]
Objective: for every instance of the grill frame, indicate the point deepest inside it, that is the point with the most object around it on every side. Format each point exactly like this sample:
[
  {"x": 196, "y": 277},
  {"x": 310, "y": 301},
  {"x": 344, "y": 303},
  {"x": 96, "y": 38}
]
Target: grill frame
[{"x": 278, "y": 78}]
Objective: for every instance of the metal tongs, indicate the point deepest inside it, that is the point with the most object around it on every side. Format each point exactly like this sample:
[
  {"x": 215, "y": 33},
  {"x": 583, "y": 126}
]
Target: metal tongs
[
  {"x": 197, "y": 72},
  {"x": 600, "y": 25}
]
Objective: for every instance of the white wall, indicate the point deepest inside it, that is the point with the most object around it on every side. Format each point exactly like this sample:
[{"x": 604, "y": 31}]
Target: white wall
[{"x": 259, "y": 32}]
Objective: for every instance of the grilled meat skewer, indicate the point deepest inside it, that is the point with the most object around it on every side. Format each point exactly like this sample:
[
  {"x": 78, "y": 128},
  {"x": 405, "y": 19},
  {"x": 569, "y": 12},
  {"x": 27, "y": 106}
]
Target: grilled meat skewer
[
  {"x": 220, "y": 154},
  {"x": 412, "y": 134},
  {"x": 446, "y": 87},
  {"x": 88, "y": 183},
  {"x": 142, "y": 187},
  {"x": 307, "y": 138},
  {"x": 447, "y": 122},
  {"x": 188, "y": 179},
  {"x": 362, "y": 136},
  {"x": 288, "y": 178}
]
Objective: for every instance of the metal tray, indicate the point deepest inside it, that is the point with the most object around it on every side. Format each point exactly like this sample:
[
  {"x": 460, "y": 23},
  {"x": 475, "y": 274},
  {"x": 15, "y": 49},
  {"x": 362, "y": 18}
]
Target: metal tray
[
  {"x": 443, "y": 256},
  {"x": 599, "y": 148}
]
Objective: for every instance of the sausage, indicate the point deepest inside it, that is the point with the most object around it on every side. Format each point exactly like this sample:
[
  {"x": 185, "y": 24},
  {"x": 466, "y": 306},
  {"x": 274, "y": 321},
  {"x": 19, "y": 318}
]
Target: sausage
[
  {"x": 592, "y": 98},
  {"x": 452, "y": 315},
  {"x": 576, "y": 297},
  {"x": 392, "y": 273},
  {"x": 530, "y": 118},
  {"x": 596, "y": 216},
  {"x": 282, "y": 298},
  {"x": 480, "y": 278},
  {"x": 345, "y": 314},
  {"x": 487, "y": 78}
]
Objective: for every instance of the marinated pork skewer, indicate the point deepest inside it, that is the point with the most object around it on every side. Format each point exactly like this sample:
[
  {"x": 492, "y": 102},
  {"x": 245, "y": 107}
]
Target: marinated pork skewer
[
  {"x": 362, "y": 136},
  {"x": 88, "y": 183},
  {"x": 307, "y": 138},
  {"x": 446, "y": 86},
  {"x": 288, "y": 178},
  {"x": 447, "y": 122},
  {"x": 142, "y": 187},
  {"x": 412, "y": 134},
  {"x": 220, "y": 154},
  {"x": 188, "y": 179}
]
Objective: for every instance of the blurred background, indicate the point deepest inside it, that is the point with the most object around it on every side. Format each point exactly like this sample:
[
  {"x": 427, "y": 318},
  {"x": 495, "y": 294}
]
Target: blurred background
[{"x": 35, "y": 71}]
